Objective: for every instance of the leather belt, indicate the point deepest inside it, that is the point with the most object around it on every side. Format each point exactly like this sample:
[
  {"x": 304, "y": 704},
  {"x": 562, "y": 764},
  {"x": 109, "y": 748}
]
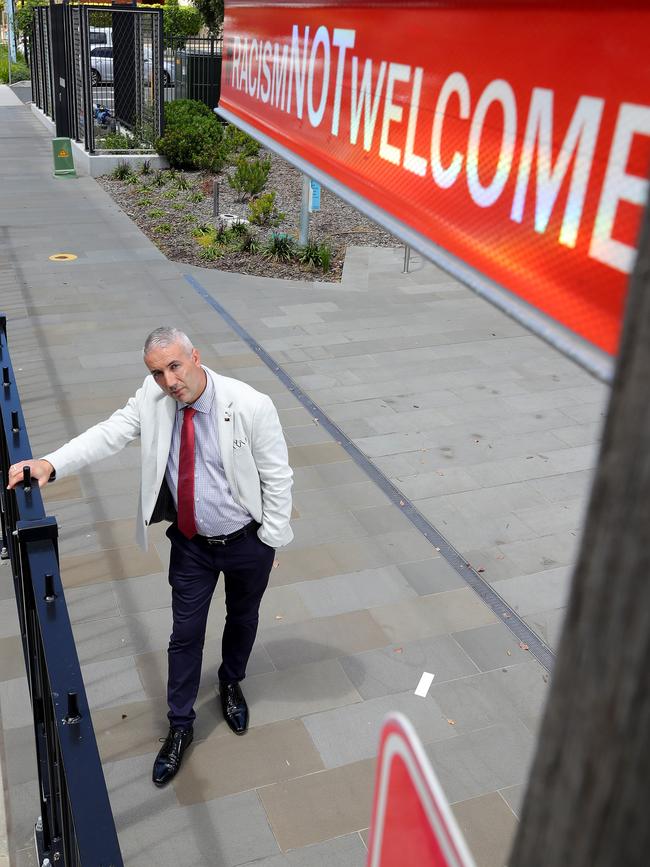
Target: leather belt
[{"x": 230, "y": 537}]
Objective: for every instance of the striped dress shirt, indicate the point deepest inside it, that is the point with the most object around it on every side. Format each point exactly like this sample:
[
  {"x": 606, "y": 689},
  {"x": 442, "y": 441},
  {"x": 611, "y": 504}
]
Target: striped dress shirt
[{"x": 215, "y": 510}]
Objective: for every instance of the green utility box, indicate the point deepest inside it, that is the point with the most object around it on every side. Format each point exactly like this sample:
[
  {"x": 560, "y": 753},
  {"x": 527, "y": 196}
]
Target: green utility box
[{"x": 63, "y": 160}]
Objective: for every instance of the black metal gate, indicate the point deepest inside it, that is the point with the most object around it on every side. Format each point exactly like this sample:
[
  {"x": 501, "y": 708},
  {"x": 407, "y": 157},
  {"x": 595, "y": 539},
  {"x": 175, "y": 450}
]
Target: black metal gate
[{"x": 102, "y": 84}]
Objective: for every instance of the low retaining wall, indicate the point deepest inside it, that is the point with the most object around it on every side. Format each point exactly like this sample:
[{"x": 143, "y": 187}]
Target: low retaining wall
[{"x": 100, "y": 164}]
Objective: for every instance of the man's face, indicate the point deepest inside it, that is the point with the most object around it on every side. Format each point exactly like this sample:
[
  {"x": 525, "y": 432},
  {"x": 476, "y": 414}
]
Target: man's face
[{"x": 177, "y": 371}]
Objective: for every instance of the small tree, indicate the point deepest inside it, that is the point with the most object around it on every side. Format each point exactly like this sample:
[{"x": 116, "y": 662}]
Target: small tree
[
  {"x": 211, "y": 12},
  {"x": 179, "y": 22}
]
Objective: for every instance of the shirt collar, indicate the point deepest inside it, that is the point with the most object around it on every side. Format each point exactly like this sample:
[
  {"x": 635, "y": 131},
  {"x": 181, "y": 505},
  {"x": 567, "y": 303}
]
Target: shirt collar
[{"x": 204, "y": 402}]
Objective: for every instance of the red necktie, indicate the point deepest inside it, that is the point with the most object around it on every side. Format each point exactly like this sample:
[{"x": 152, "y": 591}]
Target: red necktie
[{"x": 185, "y": 492}]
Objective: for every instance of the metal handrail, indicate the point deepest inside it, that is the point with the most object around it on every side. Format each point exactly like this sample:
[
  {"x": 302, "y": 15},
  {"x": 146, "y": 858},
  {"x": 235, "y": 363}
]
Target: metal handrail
[{"x": 75, "y": 827}]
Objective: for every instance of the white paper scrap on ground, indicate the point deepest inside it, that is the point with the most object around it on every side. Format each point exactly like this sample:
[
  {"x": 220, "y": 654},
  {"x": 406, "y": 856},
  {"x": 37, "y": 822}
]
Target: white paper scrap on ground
[{"x": 425, "y": 682}]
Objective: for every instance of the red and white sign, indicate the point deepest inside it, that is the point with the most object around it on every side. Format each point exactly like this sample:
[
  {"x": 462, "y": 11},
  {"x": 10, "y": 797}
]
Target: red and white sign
[
  {"x": 513, "y": 136},
  {"x": 412, "y": 825}
]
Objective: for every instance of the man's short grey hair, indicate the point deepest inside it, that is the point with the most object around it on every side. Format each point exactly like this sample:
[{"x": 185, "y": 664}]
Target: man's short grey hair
[{"x": 166, "y": 336}]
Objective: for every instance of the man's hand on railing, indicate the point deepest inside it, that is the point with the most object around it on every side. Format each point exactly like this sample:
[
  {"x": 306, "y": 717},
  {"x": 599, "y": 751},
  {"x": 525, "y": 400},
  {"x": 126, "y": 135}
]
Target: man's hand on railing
[{"x": 39, "y": 470}]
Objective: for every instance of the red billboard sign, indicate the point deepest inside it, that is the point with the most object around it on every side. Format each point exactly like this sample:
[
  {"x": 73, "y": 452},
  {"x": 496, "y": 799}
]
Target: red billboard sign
[
  {"x": 510, "y": 140},
  {"x": 412, "y": 825}
]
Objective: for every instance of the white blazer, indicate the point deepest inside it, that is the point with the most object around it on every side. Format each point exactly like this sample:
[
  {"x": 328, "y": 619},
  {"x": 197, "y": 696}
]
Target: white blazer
[{"x": 252, "y": 446}]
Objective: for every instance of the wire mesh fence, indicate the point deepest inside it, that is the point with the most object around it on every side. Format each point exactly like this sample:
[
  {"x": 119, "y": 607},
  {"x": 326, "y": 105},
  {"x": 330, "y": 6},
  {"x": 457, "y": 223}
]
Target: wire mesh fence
[
  {"x": 118, "y": 71},
  {"x": 127, "y": 75}
]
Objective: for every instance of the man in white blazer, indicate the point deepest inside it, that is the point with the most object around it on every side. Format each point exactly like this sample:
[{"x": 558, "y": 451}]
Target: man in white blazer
[{"x": 215, "y": 464}]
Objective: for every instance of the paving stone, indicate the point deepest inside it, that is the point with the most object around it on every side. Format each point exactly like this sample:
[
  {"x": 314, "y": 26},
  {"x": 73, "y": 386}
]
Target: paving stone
[
  {"x": 320, "y": 806},
  {"x": 154, "y": 828},
  {"x": 15, "y": 704},
  {"x": 395, "y": 669},
  {"x": 19, "y": 760},
  {"x": 114, "y": 682},
  {"x": 346, "y": 851},
  {"x": 152, "y": 666},
  {"x": 354, "y": 591},
  {"x": 548, "y": 625},
  {"x": 219, "y": 765},
  {"x": 95, "y": 602},
  {"x": 431, "y": 576},
  {"x": 542, "y": 590},
  {"x": 333, "y": 500},
  {"x": 322, "y": 638},
  {"x": 112, "y": 637},
  {"x": 311, "y": 531},
  {"x": 483, "y": 761},
  {"x": 432, "y": 615},
  {"x": 9, "y": 624},
  {"x": 490, "y": 647},
  {"x": 12, "y": 661},
  {"x": 480, "y": 700},
  {"x": 113, "y": 564},
  {"x": 488, "y": 826},
  {"x": 514, "y": 797},
  {"x": 141, "y": 593},
  {"x": 346, "y": 734},
  {"x": 298, "y": 691}
]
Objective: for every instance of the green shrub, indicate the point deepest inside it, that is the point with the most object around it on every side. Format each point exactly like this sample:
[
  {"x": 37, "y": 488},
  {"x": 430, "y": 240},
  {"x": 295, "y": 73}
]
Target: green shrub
[
  {"x": 196, "y": 196},
  {"x": 241, "y": 142},
  {"x": 189, "y": 218},
  {"x": 155, "y": 212},
  {"x": 203, "y": 229},
  {"x": 178, "y": 206},
  {"x": 163, "y": 229},
  {"x": 122, "y": 172},
  {"x": 192, "y": 134},
  {"x": 158, "y": 179},
  {"x": 19, "y": 69},
  {"x": 250, "y": 176},
  {"x": 214, "y": 160},
  {"x": 145, "y": 168},
  {"x": 118, "y": 141},
  {"x": 250, "y": 244},
  {"x": 210, "y": 253},
  {"x": 280, "y": 247},
  {"x": 325, "y": 257},
  {"x": 144, "y": 202},
  {"x": 262, "y": 211},
  {"x": 309, "y": 254},
  {"x": 181, "y": 182},
  {"x": 169, "y": 194},
  {"x": 315, "y": 255}
]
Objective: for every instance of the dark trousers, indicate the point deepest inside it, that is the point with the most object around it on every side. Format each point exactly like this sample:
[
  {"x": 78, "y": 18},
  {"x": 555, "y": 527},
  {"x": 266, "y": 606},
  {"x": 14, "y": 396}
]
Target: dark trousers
[{"x": 194, "y": 568}]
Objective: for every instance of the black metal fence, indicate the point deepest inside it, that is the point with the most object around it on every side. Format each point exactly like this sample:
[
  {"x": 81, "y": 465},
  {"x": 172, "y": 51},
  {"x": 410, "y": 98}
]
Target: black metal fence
[
  {"x": 102, "y": 83},
  {"x": 104, "y": 73},
  {"x": 197, "y": 69},
  {"x": 75, "y": 827}
]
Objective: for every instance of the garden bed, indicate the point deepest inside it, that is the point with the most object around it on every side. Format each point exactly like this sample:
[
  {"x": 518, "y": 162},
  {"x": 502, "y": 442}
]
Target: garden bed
[{"x": 175, "y": 210}]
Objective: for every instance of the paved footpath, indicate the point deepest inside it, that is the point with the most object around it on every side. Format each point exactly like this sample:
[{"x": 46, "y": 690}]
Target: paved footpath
[{"x": 491, "y": 433}]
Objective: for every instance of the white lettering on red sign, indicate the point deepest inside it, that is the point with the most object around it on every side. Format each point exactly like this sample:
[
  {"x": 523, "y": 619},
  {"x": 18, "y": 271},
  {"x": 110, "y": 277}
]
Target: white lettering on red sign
[{"x": 287, "y": 78}]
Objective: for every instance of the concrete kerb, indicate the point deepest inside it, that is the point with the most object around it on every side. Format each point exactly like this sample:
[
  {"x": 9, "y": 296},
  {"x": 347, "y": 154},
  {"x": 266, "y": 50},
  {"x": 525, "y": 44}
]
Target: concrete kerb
[{"x": 96, "y": 165}]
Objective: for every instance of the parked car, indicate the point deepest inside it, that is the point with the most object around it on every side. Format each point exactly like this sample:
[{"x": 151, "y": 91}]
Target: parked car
[
  {"x": 101, "y": 67},
  {"x": 100, "y": 36}
]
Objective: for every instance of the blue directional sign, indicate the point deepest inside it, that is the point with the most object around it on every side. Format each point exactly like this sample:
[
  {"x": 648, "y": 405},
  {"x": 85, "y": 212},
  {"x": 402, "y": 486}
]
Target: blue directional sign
[{"x": 314, "y": 196}]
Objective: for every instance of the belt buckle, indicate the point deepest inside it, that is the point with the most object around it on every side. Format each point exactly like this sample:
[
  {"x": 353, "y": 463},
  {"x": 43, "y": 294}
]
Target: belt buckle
[{"x": 217, "y": 541}]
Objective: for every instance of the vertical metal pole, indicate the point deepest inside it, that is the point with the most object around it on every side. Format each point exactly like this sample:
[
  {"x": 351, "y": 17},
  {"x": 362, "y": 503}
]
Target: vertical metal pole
[
  {"x": 304, "y": 211},
  {"x": 215, "y": 199},
  {"x": 407, "y": 259}
]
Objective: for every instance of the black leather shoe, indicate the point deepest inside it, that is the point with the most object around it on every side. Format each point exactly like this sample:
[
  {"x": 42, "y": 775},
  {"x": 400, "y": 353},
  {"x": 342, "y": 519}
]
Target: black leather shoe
[
  {"x": 234, "y": 707},
  {"x": 168, "y": 760}
]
